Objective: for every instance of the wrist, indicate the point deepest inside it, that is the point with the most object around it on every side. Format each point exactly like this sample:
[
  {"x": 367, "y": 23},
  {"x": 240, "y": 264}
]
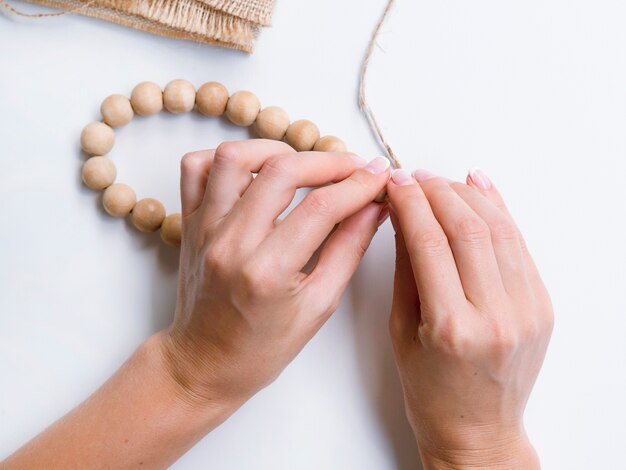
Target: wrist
[
  {"x": 500, "y": 452},
  {"x": 212, "y": 409}
]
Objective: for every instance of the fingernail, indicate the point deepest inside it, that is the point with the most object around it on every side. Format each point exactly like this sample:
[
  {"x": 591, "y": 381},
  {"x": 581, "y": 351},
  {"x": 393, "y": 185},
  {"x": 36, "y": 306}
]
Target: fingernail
[
  {"x": 480, "y": 179},
  {"x": 422, "y": 175},
  {"x": 384, "y": 214},
  {"x": 359, "y": 160},
  {"x": 378, "y": 165},
  {"x": 402, "y": 177}
]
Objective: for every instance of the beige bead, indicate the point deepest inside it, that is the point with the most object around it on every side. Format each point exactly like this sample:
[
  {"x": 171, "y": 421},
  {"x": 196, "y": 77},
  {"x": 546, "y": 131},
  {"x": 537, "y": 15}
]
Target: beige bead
[
  {"x": 212, "y": 98},
  {"x": 330, "y": 143},
  {"x": 302, "y": 135},
  {"x": 243, "y": 108},
  {"x": 179, "y": 96},
  {"x": 272, "y": 123},
  {"x": 171, "y": 230},
  {"x": 99, "y": 173},
  {"x": 148, "y": 215},
  {"x": 97, "y": 138},
  {"x": 116, "y": 111},
  {"x": 147, "y": 99},
  {"x": 119, "y": 199}
]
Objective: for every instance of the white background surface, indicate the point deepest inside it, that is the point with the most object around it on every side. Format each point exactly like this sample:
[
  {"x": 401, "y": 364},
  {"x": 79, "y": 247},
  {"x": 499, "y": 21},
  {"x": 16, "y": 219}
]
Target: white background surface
[{"x": 534, "y": 92}]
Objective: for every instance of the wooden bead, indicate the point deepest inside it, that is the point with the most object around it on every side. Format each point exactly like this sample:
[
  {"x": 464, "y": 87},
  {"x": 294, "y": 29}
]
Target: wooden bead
[
  {"x": 99, "y": 173},
  {"x": 116, "y": 111},
  {"x": 148, "y": 215},
  {"x": 179, "y": 96},
  {"x": 171, "y": 230},
  {"x": 330, "y": 143},
  {"x": 147, "y": 99},
  {"x": 97, "y": 138},
  {"x": 212, "y": 98},
  {"x": 243, "y": 108},
  {"x": 302, "y": 135},
  {"x": 119, "y": 199},
  {"x": 272, "y": 123}
]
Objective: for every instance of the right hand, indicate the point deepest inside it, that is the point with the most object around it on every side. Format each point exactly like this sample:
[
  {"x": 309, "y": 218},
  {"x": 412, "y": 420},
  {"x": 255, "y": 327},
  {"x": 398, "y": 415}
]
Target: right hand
[
  {"x": 245, "y": 307},
  {"x": 470, "y": 322}
]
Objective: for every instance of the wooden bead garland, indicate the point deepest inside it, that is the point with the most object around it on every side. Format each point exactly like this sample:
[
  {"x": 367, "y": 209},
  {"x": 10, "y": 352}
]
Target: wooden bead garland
[{"x": 242, "y": 108}]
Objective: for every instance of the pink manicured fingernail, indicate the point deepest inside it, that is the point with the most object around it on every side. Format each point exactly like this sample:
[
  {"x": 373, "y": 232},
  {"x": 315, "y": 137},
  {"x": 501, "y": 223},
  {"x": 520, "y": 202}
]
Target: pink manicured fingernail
[
  {"x": 384, "y": 215},
  {"x": 422, "y": 175},
  {"x": 378, "y": 165},
  {"x": 402, "y": 177},
  {"x": 359, "y": 160},
  {"x": 480, "y": 179}
]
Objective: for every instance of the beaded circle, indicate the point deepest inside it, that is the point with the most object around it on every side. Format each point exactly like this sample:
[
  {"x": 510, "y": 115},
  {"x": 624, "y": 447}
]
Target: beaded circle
[{"x": 212, "y": 99}]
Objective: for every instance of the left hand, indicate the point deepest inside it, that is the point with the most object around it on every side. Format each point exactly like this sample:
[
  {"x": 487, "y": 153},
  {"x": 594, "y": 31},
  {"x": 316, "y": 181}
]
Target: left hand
[{"x": 245, "y": 306}]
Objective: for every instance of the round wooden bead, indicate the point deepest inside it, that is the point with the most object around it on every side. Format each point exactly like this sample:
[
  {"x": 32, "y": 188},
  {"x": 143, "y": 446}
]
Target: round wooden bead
[
  {"x": 116, "y": 111},
  {"x": 243, "y": 108},
  {"x": 330, "y": 143},
  {"x": 272, "y": 123},
  {"x": 179, "y": 96},
  {"x": 302, "y": 135},
  {"x": 171, "y": 229},
  {"x": 211, "y": 99},
  {"x": 147, "y": 99},
  {"x": 148, "y": 215},
  {"x": 99, "y": 173},
  {"x": 97, "y": 138},
  {"x": 119, "y": 199}
]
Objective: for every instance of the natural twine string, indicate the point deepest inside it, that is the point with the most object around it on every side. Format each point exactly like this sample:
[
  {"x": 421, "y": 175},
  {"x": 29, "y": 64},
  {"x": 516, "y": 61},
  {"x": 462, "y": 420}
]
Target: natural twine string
[
  {"x": 16, "y": 12},
  {"x": 8, "y": 7},
  {"x": 363, "y": 103}
]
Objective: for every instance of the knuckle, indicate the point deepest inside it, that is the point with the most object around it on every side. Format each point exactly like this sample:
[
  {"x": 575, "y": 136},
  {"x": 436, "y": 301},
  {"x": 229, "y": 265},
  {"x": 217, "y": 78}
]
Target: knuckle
[
  {"x": 449, "y": 337},
  {"x": 189, "y": 162},
  {"x": 503, "y": 229},
  {"x": 277, "y": 168},
  {"x": 363, "y": 179},
  {"x": 318, "y": 202},
  {"x": 471, "y": 230},
  {"x": 432, "y": 242},
  {"x": 227, "y": 153},
  {"x": 215, "y": 257},
  {"x": 503, "y": 340},
  {"x": 257, "y": 280}
]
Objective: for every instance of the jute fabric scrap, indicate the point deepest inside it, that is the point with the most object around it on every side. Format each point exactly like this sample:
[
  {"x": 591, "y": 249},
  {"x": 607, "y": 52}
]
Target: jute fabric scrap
[{"x": 227, "y": 23}]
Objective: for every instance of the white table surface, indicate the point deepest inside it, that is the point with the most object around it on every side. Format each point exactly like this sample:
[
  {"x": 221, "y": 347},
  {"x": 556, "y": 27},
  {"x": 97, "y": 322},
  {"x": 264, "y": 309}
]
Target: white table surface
[{"x": 533, "y": 92}]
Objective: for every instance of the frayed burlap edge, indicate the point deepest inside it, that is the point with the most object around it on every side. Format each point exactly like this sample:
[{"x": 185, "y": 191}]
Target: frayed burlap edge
[
  {"x": 178, "y": 19},
  {"x": 257, "y": 11}
]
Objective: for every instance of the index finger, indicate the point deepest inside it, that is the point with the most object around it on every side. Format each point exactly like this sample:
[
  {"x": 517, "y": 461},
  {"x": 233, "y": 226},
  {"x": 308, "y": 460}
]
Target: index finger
[
  {"x": 434, "y": 268},
  {"x": 304, "y": 230}
]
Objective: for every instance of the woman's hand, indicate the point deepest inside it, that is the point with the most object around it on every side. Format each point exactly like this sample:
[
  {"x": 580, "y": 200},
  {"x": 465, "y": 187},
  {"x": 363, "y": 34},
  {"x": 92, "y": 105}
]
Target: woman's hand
[
  {"x": 470, "y": 321},
  {"x": 245, "y": 306}
]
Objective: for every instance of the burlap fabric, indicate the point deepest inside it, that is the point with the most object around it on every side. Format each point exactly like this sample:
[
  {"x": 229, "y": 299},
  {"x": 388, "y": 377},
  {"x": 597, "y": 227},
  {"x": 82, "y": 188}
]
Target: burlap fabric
[{"x": 228, "y": 23}]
